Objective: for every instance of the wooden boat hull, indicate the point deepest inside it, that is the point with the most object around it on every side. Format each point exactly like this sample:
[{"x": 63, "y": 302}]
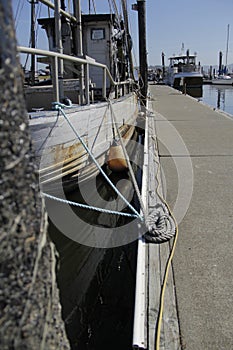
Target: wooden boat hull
[
  {"x": 58, "y": 150},
  {"x": 194, "y": 81}
]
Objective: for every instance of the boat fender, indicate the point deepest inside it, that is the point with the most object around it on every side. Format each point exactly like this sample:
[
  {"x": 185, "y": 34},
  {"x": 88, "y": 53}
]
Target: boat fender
[{"x": 116, "y": 160}]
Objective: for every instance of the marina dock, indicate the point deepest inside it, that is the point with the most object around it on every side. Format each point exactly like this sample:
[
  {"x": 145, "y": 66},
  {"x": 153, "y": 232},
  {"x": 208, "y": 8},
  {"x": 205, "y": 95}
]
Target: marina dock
[
  {"x": 116, "y": 201},
  {"x": 195, "y": 150}
]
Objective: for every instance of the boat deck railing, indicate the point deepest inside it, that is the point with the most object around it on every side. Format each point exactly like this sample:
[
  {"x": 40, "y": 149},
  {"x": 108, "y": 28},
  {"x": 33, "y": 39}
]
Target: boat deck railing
[{"x": 121, "y": 87}]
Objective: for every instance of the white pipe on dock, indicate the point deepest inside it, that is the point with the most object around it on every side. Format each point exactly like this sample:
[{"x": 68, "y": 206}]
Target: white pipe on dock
[
  {"x": 139, "y": 334},
  {"x": 140, "y": 309}
]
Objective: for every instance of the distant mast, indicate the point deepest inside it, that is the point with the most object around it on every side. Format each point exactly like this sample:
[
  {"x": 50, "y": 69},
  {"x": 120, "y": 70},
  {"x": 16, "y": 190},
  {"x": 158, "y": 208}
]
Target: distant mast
[{"x": 228, "y": 28}]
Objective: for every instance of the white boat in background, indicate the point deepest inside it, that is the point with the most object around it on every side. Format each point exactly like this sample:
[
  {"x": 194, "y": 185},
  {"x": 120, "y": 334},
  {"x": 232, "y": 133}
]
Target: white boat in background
[
  {"x": 94, "y": 79},
  {"x": 222, "y": 80},
  {"x": 183, "y": 72}
]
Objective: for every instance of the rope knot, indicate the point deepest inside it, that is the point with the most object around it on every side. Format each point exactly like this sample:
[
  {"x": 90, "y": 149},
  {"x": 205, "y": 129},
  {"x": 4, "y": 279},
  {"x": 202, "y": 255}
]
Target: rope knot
[
  {"x": 57, "y": 106},
  {"x": 161, "y": 226}
]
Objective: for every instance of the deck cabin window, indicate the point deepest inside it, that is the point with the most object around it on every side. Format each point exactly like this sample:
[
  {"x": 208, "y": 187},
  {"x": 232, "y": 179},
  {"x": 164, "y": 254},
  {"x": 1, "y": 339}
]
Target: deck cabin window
[{"x": 97, "y": 33}]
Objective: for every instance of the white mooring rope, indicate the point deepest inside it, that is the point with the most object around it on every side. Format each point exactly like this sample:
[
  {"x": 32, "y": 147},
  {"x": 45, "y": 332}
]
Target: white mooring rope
[
  {"x": 90, "y": 207},
  {"x": 59, "y": 106},
  {"x": 159, "y": 222}
]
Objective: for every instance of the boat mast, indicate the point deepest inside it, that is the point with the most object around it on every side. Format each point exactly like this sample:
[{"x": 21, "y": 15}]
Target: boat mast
[
  {"x": 128, "y": 39},
  {"x": 228, "y": 27},
  {"x": 78, "y": 43},
  {"x": 58, "y": 37},
  {"x": 78, "y": 31},
  {"x": 59, "y": 47},
  {"x": 33, "y": 40}
]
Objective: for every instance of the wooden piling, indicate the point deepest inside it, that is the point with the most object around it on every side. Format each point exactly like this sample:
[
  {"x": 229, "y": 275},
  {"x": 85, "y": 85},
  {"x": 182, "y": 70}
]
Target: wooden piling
[
  {"x": 30, "y": 310},
  {"x": 141, "y": 7}
]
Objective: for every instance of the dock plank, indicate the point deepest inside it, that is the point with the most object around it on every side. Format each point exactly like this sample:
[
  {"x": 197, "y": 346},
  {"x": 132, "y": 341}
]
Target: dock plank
[
  {"x": 154, "y": 281},
  {"x": 171, "y": 336},
  {"x": 158, "y": 255}
]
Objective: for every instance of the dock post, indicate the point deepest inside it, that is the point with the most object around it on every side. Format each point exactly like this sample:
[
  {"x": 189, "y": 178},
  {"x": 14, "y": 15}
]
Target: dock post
[
  {"x": 55, "y": 79},
  {"x": 163, "y": 65},
  {"x": 210, "y": 72},
  {"x": 104, "y": 93},
  {"x": 220, "y": 63},
  {"x": 185, "y": 87},
  {"x": 87, "y": 88}
]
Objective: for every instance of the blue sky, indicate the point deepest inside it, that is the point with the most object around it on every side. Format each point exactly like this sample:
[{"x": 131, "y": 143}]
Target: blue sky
[{"x": 201, "y": 25}]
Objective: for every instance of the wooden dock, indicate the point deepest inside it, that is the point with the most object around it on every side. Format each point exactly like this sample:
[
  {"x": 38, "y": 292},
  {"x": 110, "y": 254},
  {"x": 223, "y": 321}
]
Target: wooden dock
[{"x": 194, "y": 146}]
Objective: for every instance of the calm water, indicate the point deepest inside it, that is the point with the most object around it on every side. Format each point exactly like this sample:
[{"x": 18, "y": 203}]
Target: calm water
[
  {"x": 97, "y": 286},
  {"x": 220, "y": 97}
]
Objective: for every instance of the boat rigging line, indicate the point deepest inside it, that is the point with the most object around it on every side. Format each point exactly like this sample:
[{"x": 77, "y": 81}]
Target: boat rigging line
[
  {"x": 59, "y": 107},
  {"x": 110, "y": 6},
  {"x": 159, "y": 223},
  {"x": 129, "y": 164},
  {"x": 94, "y": 7},
  {"x": 89, "y": 207},
  {"x": 18, "y": 12}
]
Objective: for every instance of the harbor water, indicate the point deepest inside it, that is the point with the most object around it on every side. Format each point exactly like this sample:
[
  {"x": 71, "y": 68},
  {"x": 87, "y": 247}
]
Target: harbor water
[
  {"x": 97, "y": 285},
  {"x": 219, "y": 97}
]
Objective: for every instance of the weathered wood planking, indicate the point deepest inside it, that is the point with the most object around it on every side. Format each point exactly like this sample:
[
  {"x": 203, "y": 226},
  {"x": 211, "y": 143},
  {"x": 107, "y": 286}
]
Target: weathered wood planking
[{"x": 158, "y": 255}]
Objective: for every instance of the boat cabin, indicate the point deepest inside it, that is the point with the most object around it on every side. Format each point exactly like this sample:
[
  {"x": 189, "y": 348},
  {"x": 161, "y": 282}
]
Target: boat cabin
[
  {"x": 104, "y": 40},
  {"x": 183, "y": 63}
]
